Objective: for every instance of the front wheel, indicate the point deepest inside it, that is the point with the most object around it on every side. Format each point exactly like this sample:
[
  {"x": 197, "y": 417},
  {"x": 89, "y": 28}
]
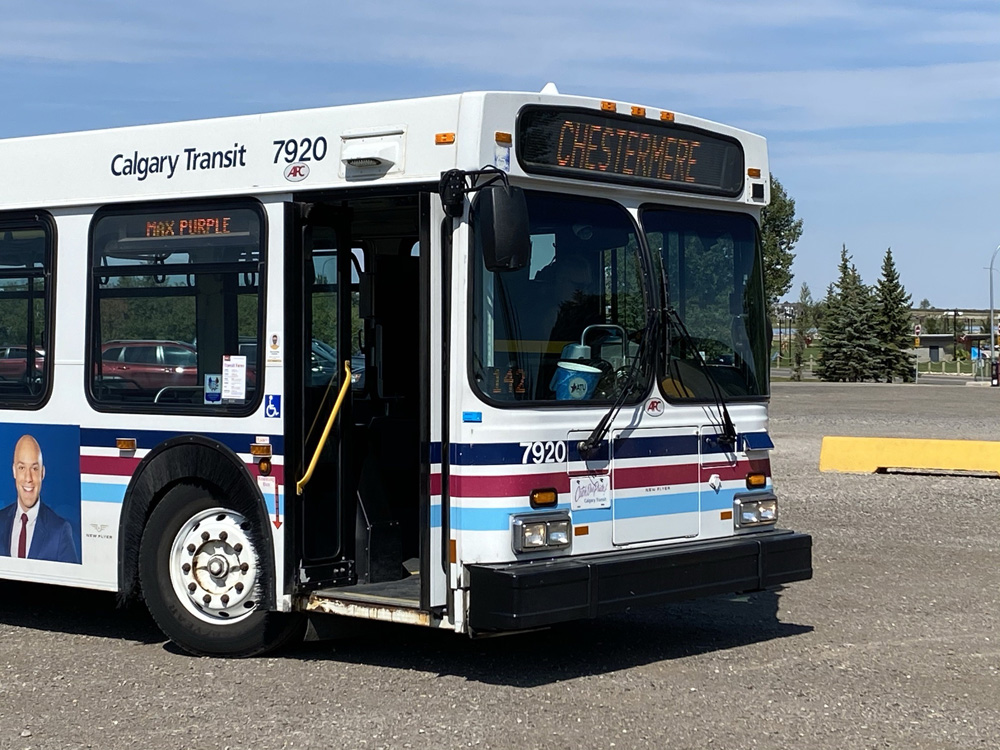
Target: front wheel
[{"x": 203, "y": 577}]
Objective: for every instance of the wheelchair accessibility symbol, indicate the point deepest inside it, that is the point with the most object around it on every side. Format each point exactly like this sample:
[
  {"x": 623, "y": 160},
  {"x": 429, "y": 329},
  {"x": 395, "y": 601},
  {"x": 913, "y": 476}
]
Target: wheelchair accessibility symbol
[{"x": 272, "y": 407}]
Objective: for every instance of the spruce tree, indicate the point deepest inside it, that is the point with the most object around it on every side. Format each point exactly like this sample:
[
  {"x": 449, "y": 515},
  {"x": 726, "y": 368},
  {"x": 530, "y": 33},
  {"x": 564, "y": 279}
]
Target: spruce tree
[
  {"x": 850, "y": 348},
  {"x": 804, "y": 323},
  {"x": 893, "y": 324}
]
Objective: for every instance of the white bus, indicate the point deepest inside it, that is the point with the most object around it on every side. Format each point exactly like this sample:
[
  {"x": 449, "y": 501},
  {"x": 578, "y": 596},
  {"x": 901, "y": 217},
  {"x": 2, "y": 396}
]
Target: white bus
[{"x": 483, "y": 362}]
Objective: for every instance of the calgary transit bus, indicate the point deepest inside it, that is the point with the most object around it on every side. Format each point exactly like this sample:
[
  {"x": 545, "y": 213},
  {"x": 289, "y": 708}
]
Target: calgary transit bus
[{"x": 484, "y": 362}]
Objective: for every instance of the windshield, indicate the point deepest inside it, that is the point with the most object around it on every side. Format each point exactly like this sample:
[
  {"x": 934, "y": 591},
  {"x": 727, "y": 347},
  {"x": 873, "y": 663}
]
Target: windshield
[
  {"x": 715, "y": 286},
  {"x": 567, "y": 328}
]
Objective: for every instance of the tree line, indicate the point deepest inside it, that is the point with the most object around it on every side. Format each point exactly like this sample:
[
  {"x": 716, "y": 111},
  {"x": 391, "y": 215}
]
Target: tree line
[{"x": 864, "y": 332}]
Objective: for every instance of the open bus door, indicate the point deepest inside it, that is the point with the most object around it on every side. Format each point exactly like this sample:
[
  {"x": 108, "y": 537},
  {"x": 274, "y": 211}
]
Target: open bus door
[
  {"x": 372, "y": 513},
  {"x": 318, "y": 309}
]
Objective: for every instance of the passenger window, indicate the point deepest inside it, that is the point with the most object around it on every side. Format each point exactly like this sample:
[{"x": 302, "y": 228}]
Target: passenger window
[
  {"x": 177, "y": 308},
  {"x": 26, "y": 266}
]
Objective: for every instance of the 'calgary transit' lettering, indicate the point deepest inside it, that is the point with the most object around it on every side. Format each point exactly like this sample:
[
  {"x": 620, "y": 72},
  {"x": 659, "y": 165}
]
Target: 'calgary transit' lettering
[{"x": 189, "y": 159}]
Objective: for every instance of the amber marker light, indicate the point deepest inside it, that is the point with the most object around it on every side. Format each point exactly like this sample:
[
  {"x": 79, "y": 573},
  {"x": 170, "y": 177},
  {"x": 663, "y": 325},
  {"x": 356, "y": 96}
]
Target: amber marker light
[
  {"x": 125, "y": 444},
  {"x": 584, "y": 530},
  {"x": 756, "y": 481},
  {"x": 753, "y": 172},
  {"x": 667, "y": 116},
  {"x": 262, "y": 450},
  {"x": 726, "y": 515},
  {"x": 504, "y": 139},
  {"x": 444, "y": 139},
  {"x": 546, "y": 498},
  {"x": 609, "y": 106},
  {"x": 638, "y": 111},
  {"x": 264, "y": 466}
]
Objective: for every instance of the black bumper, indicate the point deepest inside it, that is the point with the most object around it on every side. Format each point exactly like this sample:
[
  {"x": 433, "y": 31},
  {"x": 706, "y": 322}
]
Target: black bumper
[{"x": 515, "y": 596}]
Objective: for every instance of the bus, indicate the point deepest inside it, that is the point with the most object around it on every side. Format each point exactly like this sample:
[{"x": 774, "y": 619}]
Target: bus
[{"x": 485, "y": 362}]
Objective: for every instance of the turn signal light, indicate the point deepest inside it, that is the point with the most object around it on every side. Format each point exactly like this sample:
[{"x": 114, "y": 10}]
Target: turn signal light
[
  {"x": 546, "y": 498},
  {"x": 756, "y": 481},
  {"x": 260, "y": 449}
]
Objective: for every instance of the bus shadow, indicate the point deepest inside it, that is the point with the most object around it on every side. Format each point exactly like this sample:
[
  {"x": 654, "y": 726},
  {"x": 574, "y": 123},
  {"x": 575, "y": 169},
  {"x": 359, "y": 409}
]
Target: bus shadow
[
  {"x": 564, "y": 652},
  {"x": 60, "y": 609},
  {"x": 567, "y": 651}
]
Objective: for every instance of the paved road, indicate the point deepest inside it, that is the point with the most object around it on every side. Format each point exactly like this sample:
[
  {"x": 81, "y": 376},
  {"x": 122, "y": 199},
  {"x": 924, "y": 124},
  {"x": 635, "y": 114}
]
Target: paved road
[{"x": 894, "y": 644}]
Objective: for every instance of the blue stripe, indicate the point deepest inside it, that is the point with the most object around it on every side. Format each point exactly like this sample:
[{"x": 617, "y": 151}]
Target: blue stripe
[
  {"x": 656, "y": 505},
  {"x": 591, "y": 515},
  {"x": 98, "y": 492},
  {"x": 512, "y": 454}
]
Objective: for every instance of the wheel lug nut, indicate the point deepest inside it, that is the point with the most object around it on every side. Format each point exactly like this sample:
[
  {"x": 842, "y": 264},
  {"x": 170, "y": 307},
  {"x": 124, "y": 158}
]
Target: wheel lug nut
[
  {"x": 245, "y": 567},
  {"x": 192, "y": 586},
  {"x": 239, "y": 588},
  {"x": 238, "y": 547},
  {"x": 223, "y": 535},
  {"x": 186, "y": 568},
  {"x": 205, "y": 536},
  {"x": 207, "y": 599},
  {"x": 225, "y": 598},
  {"x": 191, "y": 548}
]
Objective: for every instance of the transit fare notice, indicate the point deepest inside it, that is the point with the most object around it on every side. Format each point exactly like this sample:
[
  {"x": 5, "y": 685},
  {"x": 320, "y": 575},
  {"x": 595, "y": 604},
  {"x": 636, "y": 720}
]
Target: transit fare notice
[{"x": 613, "y": 148}]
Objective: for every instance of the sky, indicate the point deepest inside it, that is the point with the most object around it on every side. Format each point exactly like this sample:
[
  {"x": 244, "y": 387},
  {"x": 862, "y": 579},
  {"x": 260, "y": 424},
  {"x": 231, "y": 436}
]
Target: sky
[{"x": 882, "y": 117}]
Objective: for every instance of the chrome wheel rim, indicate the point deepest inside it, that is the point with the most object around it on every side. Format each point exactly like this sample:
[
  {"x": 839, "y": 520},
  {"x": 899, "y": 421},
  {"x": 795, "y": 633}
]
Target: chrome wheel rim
[{"x": 213, "y": 566}]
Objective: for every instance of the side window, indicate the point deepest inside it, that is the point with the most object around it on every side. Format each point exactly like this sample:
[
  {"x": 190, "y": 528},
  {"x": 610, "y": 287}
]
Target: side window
[
  {"x": 177, "y": 304},
  {"x": 26, "y": 266}
]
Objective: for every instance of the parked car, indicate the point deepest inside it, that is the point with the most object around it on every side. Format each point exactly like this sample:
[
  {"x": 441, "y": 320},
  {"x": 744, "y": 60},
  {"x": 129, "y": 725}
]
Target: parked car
[
  {"x": 14, "y": 362},
  {"x": 150, "y": 364}
]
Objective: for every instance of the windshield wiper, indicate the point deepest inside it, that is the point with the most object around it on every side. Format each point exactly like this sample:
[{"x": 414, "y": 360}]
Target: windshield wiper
[
  {"x": 588, "y": 446},
  {"x": 728, "y": 435}
]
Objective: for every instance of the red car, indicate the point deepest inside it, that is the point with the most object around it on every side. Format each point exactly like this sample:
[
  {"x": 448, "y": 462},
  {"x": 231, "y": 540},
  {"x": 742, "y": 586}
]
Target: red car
[
  {"x": 150, "y": 364},
  {"x": 14, "y": 362}
]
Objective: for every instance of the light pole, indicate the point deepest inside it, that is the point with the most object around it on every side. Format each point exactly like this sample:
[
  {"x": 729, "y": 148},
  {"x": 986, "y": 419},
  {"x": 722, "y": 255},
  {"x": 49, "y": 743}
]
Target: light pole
[{"x": 993, "y": 329}]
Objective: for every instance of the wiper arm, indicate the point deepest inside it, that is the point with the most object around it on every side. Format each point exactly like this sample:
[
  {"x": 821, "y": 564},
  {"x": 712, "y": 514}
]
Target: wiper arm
[
  {"x": 587, "y": 446},
  {"x": 728, "y": 435}
]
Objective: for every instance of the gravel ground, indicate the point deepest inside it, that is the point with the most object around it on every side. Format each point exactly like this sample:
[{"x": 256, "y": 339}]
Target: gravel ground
[{"x": 893, "y": 644}]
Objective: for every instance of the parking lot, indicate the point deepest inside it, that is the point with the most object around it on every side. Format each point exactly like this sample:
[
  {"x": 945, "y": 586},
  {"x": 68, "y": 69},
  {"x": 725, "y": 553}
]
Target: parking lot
[{"x": 893, "y": 644}]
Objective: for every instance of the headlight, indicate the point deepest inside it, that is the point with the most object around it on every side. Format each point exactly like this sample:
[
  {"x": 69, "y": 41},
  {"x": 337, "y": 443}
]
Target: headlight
[
  {"x": 541, "y": 531},
  {"x": 760, "y": 510}
]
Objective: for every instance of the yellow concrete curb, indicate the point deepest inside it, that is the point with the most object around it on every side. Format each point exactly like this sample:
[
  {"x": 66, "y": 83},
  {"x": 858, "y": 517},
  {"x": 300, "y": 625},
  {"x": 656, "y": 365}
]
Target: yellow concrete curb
[{"x": 867, "y": 455}]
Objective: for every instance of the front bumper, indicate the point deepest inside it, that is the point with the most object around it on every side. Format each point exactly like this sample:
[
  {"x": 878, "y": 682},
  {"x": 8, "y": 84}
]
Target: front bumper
[{"x": 516, "y": 596}]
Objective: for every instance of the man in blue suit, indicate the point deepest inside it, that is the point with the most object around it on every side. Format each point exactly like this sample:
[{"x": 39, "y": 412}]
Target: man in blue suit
[{"x": 28, "y": 528}]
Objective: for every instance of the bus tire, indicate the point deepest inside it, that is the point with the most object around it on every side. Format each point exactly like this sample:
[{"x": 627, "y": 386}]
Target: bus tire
[{"x": 203, "y": 578}]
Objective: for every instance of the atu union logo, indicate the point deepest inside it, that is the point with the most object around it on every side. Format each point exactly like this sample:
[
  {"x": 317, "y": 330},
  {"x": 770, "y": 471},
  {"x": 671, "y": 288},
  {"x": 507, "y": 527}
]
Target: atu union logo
[
  {"x": 654, "y": 407},
  {"x": 296, "y": 172}
]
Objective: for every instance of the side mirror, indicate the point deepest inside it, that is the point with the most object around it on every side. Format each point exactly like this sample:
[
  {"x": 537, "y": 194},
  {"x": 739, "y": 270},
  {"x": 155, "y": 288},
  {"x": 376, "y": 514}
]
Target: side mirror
[{"x": 501, "y": 225}]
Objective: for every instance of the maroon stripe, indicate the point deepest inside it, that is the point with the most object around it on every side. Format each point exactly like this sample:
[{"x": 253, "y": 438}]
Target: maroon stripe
[
  {"x": 654, "y": 476},
  {"x": 511, "y": 485},
  {"x": 118, "y": 466}
]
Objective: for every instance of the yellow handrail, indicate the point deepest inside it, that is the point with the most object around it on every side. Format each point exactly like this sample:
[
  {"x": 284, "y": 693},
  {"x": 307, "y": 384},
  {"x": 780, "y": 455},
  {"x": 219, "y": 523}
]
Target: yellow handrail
[{"x": 300, "y": 485}]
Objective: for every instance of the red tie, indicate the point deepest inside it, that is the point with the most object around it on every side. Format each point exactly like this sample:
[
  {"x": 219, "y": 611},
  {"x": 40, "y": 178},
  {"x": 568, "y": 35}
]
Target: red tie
[{"x": 22, "y": 541}]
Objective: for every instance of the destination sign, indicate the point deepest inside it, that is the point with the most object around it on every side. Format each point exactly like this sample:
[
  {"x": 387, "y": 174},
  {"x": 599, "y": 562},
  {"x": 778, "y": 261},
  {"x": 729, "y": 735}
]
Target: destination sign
[
  {"x": 187, "y": 226},
  {"x": 584, "y": 144}
]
